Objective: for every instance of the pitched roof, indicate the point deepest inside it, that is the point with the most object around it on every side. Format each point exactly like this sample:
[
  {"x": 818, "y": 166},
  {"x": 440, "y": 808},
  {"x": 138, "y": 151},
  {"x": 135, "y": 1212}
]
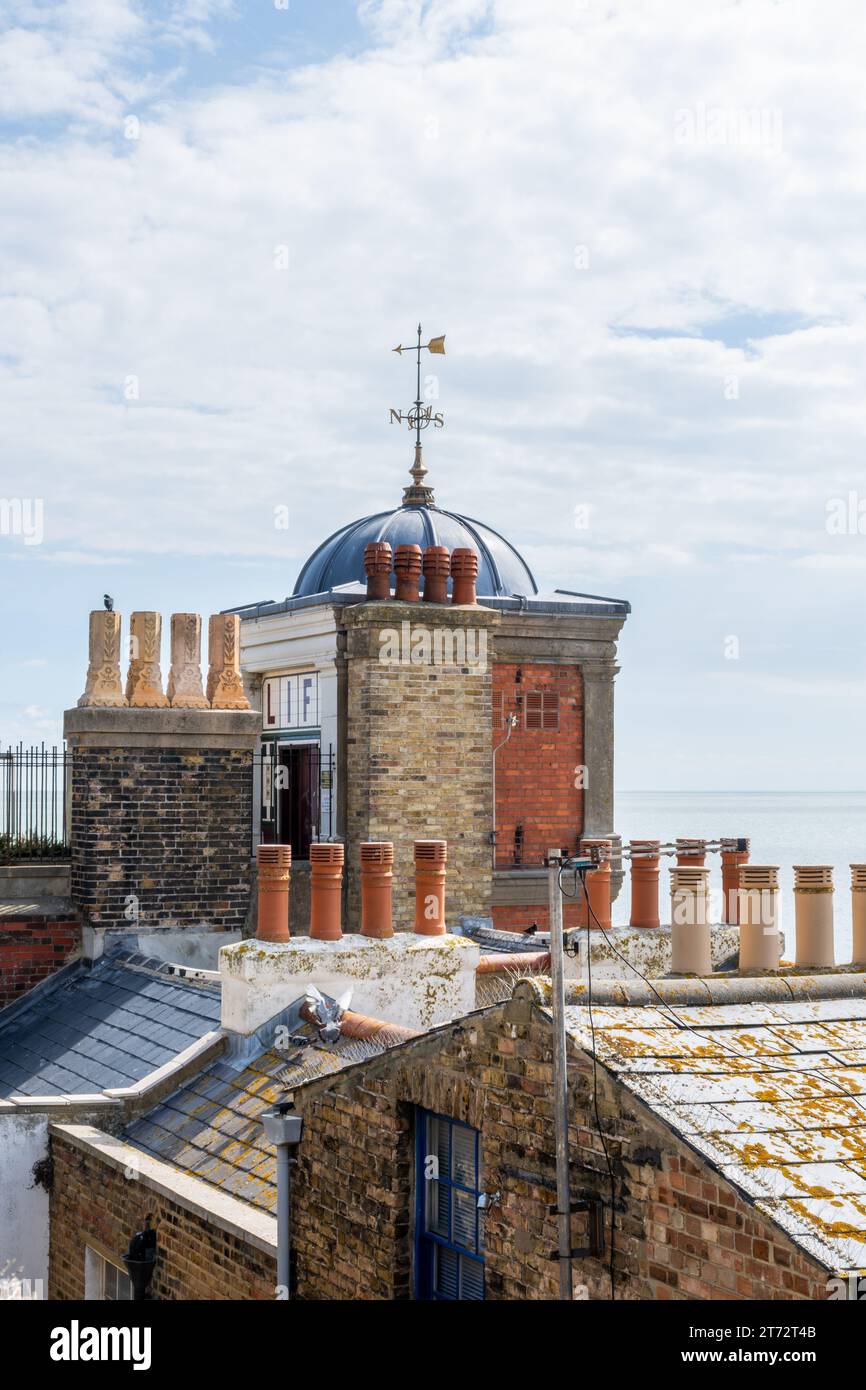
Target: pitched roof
[
  {"x": 101, "y": 1025},
  {"x": 773, "y": 1094},
  {"x": 211, "y": 1127}
]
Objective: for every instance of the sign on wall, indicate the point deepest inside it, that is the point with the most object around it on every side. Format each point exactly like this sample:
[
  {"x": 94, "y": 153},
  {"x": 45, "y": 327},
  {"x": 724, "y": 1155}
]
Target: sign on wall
[{"x": 291, "y": 702}]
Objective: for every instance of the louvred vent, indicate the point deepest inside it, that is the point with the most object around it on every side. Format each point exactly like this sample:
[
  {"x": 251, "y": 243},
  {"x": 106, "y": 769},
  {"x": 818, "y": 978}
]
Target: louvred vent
[{"x": 542, "y": 709}]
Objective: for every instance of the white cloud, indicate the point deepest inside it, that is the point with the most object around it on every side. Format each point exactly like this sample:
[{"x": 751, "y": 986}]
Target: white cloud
[{"x": 165, "y": 385}]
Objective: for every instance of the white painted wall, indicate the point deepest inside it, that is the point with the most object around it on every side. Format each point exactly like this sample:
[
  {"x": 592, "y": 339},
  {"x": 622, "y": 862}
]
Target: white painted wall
[
  {"x": 415, "y": 981},
  {"x": 23, "y": 1205},
  {"x": 285, "y": 644}
]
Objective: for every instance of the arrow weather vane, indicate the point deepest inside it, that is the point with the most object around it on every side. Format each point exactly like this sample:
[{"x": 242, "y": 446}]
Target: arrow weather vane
[{"x": 418, "y": 418}]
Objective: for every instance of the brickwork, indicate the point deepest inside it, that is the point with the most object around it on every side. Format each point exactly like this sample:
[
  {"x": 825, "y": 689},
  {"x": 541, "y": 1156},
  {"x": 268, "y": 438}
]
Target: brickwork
[
  {"x": 538, "y": 805},
  {"x": 681, "y": 1229},
  {"x": 519, "y": 916},
  {"x": 164, "y": 831},
  {"x": 31, "y": 950},
  {"x": 92, "y": 1203},
  {"x": 419, "y": 758}
]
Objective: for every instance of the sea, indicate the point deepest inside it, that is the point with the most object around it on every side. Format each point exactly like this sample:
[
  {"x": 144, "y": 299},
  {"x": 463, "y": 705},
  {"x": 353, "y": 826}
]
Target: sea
[{"x": 785, "y": 828}]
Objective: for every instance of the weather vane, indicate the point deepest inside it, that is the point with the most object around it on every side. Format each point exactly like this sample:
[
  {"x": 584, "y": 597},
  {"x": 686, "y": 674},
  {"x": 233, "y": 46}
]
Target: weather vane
[{"x": 418, "y": 419}]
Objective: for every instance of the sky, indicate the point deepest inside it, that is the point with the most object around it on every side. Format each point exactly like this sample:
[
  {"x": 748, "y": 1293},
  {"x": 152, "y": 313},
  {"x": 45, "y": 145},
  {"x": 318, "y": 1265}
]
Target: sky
[{"x": 640, "y": 225}]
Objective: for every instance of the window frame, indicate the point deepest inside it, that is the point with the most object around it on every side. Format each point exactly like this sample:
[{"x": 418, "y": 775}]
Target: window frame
[{"x": 427, "y": 1240}]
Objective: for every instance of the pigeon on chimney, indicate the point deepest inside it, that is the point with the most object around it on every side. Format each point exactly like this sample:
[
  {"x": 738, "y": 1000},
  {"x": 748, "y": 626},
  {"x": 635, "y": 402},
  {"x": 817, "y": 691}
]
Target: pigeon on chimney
[{"x": 109, "y": 603}]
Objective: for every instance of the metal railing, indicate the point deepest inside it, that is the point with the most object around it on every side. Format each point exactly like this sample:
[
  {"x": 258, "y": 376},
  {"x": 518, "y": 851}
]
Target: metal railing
[
  {"x": 294, "y": 793},
  {"x": 33, "y": 802}
]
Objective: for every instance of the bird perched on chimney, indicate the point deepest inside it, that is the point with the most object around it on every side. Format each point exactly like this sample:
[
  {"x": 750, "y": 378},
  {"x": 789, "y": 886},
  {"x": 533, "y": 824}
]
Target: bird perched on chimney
[{"x": 109, "y": 603}]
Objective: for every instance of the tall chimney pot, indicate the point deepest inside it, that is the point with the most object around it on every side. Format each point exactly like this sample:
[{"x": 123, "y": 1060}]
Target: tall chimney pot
[
  {"x": 733, "y": 858},
  {"x": 597, "y": 883},
  {"x": 464, "y": 573},
  {"x": 437, "y": 567},
  {"x": 430, "y": 859},
  {"x": 274, "y": 864},
  {"x": 644, "y": 883},
  {"x": 690, "y": 927},
  {"x": 377, "y": 567},
  {"x": 813, "y": 914},
  {"x": 858, "y": 913},
  {"x": 326, "y": 891},
  {"x": 377, "y": 873},
  {"x": 757, "y": 911},
  {"x": 407, "y": 567}
]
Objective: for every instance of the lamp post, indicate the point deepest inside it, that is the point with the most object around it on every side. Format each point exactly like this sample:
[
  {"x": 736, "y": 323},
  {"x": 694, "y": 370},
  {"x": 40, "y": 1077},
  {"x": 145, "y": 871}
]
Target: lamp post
[
  {"x": 284, "y": 1128},
  {"x": 140, "y": 1260}
]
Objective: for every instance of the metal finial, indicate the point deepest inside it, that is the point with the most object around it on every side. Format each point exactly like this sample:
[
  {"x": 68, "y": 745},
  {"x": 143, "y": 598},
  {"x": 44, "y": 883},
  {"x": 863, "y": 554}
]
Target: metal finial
[{"x": 418, "y": 418}]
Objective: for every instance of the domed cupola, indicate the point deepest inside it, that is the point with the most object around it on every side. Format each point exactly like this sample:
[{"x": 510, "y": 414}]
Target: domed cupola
[{"x": 502, "y": 571}]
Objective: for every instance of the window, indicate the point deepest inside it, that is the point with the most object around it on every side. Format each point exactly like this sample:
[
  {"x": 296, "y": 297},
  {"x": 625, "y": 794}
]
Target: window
[
  {"x": 449, "y": 1260},
  {"x": 104, "y": 1281},
  {"x": 541, "y": 709},
  {"x": 291, "y": 795}
]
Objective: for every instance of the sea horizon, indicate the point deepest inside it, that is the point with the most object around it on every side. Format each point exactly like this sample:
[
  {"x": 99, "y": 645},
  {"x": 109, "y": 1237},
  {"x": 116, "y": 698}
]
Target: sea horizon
[{"x": 780, "y": 832}]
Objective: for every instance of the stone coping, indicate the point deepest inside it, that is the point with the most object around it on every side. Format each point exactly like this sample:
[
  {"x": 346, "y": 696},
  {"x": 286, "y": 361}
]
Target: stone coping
[
  {"x": 91, "y": 727},
  {"x": 786, "y": 986},
  {"x": 36, "y": 910},
  {"x": 210, "y": 1204}
]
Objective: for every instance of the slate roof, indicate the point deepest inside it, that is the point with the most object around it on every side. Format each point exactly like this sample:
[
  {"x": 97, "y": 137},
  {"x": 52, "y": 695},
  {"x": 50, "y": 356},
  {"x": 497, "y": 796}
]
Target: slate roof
[
  {"x": 211, "y": 1127},
  {"x": 773, "y": 1094},
  {"x": 108, "y": 1024}
]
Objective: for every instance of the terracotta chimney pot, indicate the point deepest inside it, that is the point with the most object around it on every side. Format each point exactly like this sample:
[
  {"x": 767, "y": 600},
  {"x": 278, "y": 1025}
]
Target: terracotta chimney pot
[
  {"x": 464, "y": 573},
  {"x": 813, "y": 914},
  {"x": 758, "y": 914},
  {"x": 858, "y": 913},
  {"x": 430, "y": 858},
  {"x": 437, "y": 568},
  {"x": 598, "y": 885},
  {"x": 732, "y": 861},
  {"x": 690, "y": 928},
  {"x": 407, "y": 566},
  {"x": 377, "y": 873},
  {"x": 326, "y": 890},
  {"x": 274, "y": 863},
  {"x": 644, "y": 883},
  {"x": 377, "y": 567}
]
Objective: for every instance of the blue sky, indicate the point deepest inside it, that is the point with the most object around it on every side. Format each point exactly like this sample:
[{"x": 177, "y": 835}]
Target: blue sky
[{"x": 640, "y": 227}]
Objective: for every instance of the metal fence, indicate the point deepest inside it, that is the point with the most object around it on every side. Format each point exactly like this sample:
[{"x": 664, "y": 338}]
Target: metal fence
[
  {"x": 294, "y": 793},
  {"x": 33, "y": 802},
  {"x": 291, "y": 802}
]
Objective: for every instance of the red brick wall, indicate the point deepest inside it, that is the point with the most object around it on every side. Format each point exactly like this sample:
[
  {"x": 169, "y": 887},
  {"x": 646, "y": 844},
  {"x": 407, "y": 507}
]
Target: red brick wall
[
  {"x": 521, "y": 916},
  {"x": 31, "y": 950},
  {"x": 535, "y": 774}
]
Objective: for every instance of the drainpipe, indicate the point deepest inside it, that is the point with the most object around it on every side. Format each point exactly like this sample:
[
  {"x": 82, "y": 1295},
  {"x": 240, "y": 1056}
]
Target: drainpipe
[
  {"x": 284, "y": 1129},
  {"x": 560, "y": 1073}
]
